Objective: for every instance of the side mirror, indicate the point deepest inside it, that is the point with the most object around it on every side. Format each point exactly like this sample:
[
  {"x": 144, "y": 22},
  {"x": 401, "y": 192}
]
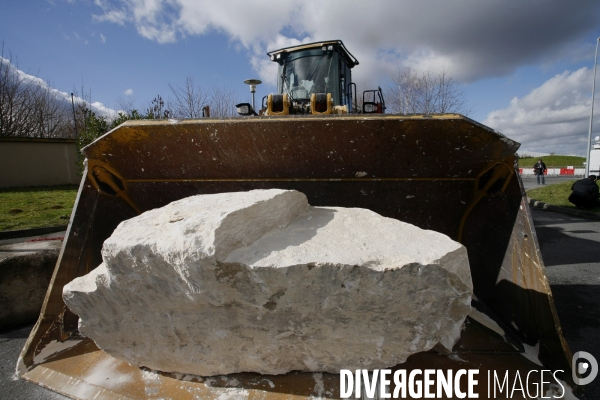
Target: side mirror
[
  {"x": 245, "y": 109},
  {"x": 374, "y": 106},
  {"x": 370, "y": 108}
]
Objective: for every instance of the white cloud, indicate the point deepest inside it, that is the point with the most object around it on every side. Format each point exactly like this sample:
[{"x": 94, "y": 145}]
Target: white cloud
[
  {"x": 103, "y": 38},
  {"x": 99, "y": 108},
  {"x": 266, "y": 69},
  {"x": 128, "y": 92},
  {"x": 468, "y": 38},
  {"x": 114, "y": 16},
  {"x": 551, "y": 118},
  {"x": 102, "y": 110}
]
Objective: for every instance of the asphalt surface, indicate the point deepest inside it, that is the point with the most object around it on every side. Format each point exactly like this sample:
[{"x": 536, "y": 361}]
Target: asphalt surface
[
  {"x": 31, "y": 244},
  {"x": 530, "y": 182},
  {"x": 570, "y": 248},
  {"x": 12, "y": 387}
]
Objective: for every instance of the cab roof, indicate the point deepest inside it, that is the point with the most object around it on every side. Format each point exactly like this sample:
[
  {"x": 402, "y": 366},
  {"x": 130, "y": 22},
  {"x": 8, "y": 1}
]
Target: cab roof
[{"x": 338, "y": 45}]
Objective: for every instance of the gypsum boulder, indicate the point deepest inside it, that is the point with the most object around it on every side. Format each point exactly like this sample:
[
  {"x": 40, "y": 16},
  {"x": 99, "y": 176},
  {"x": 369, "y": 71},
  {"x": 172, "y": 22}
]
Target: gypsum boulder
[{"x": 261, "y": 282}]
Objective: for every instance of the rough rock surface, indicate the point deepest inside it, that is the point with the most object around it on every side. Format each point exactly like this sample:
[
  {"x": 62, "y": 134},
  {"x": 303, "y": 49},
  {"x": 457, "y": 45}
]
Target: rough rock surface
[{"x": 260, "y": 281}]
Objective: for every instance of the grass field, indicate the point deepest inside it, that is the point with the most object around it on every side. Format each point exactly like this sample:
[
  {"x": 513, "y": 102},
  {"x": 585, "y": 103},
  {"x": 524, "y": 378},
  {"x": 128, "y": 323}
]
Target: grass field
[
  {"x": 553, "y": 161},
  {"x": 556, "y": 194},
  {"x": 36, "y": 207}
]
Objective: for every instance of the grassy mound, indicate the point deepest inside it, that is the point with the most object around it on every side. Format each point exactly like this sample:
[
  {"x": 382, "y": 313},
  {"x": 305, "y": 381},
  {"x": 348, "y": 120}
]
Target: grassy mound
[
  {"x": 36, "y": 207},
  {"x": 553, "y": 161}
]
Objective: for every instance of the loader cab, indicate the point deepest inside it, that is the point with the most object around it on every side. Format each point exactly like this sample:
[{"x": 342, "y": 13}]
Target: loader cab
[
  {"x": 315, "y": 78},
  {"x": 324, "y": 67}
]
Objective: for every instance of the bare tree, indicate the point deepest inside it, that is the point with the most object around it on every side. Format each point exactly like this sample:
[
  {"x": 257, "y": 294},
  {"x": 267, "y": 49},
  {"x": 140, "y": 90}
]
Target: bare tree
[
  {"x": 28, "y": 108},
  {"x": 126, "y": 105},
  {"x": 76, "y": 122},
  {"x": 222, "y": 102},
  {"x": 51, "y": 116},
  {"x": 188, "y": 100},
  {"x": 425, "y": 92},
  {"x": 17, "y": 101}
]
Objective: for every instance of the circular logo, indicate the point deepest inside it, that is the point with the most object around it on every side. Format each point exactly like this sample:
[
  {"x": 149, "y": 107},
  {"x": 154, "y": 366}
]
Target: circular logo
[{"x": 587, "y": 365}]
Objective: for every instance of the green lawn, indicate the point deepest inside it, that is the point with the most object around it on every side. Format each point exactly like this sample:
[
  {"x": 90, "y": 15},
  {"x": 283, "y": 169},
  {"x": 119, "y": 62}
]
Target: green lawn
[
  {"x": 555, "y": 194},
  {"x": 553, "y": 161},
  {"x": 36, "y": 207}
]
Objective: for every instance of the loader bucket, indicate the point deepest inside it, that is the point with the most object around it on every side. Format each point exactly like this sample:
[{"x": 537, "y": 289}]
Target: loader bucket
[{"x": 442, "y": 172}]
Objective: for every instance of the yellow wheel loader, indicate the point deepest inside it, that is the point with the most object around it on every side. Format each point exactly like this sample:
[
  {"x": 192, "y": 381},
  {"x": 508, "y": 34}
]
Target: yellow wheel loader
[{"x": 442, "y": 172}]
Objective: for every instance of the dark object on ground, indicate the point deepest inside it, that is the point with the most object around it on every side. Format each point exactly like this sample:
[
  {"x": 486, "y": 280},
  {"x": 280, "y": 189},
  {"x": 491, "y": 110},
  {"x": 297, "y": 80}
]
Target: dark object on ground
[
  {"x": 585, "y": 193},
  {"x": 24, "y": 279}
]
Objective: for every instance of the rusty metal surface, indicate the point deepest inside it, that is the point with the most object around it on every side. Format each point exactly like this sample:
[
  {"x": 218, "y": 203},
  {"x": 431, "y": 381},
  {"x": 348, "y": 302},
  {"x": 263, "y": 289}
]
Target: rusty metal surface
[
  {"x": 445, "y": 173},
  {"x": 84, "y": 372},
  {"x": 301, "y": 147},
  {"x": 94, "y": 218},
  {"x": 509, "y": 275}
]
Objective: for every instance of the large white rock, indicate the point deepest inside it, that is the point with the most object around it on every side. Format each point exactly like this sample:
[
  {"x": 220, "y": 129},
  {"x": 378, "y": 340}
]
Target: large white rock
[{"x": 260, "y": 281}]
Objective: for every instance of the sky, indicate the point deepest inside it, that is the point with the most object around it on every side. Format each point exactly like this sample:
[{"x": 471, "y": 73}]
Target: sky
[{"x": 526, "y": 67}]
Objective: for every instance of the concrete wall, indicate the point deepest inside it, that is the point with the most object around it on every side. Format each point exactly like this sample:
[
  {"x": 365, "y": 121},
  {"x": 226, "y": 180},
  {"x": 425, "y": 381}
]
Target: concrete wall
[{"x": 37, "y": 162}]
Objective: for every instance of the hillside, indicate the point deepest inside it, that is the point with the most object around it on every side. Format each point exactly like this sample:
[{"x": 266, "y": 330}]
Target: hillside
[{"x": 553, "y": 161}]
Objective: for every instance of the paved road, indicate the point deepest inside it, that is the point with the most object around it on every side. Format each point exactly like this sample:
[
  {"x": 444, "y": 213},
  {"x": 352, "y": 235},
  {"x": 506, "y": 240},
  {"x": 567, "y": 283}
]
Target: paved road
[
  {"x": 571, "y": 250},
  {"x": 529, "y": 182},
  {"x": 11, "y": 387}
]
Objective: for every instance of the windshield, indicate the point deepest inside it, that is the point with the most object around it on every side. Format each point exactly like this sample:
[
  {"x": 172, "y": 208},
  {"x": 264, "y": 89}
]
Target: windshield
[{"x": 300, "y": 77}]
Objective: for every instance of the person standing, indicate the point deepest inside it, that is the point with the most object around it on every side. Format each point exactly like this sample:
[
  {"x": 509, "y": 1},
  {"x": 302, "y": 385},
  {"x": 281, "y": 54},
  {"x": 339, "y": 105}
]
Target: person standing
[
  {"x": 540, "y": 169},
  {"x": 585, "y": 193}
]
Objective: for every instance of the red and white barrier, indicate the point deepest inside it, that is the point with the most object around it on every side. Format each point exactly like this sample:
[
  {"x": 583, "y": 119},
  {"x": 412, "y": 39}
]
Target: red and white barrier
[{"x": 555, "y": 171}]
